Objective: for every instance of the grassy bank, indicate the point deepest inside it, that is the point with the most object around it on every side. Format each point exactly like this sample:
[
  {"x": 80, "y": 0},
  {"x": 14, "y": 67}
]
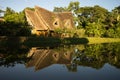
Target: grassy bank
[
  {"x": 93, "y": 40},
  {"x": 48, "y": 41},
  {"x": 83, "y": 40}
]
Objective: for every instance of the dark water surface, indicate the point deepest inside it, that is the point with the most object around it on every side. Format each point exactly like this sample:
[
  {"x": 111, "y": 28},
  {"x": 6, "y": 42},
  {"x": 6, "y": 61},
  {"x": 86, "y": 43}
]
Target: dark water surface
[{"x": 74, "y": 62}]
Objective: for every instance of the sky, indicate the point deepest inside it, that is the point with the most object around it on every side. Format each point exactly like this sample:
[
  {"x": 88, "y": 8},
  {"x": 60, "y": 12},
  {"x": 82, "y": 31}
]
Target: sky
[{"x": 19, "y": 5}]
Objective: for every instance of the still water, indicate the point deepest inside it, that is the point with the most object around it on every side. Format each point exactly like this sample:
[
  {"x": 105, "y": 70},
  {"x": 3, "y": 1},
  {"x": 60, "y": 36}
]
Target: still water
[{"x": 73, "y": 62}]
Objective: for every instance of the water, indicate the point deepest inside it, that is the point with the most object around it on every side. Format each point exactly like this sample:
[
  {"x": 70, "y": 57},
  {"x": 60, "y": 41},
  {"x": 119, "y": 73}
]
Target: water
[{"x": 73, "y": 62}]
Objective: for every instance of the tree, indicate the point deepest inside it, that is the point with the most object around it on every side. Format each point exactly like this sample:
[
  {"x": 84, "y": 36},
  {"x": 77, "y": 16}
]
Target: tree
[
  {"x": 84, "y": 16},
  {"x": 15, "y": 24},
  {"x": 94, "y": 30},
  {"x": 99, "y": 13},
  {"x": 60, "y": 9},
  {"x": 91, "y": 19},
  {"x": 9, "y": 11},
  {"x": 92, "y": 14},
  {"x": 74, "y": 7},
  {"x": 112, "y": 23}
]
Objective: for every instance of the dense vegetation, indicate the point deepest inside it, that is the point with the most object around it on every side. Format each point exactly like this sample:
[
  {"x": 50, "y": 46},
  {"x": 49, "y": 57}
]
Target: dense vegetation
[
  {"x": 96, "y": 55},
  {"x": 15, "y": 24},
  {"x": 89, "y": 21}
]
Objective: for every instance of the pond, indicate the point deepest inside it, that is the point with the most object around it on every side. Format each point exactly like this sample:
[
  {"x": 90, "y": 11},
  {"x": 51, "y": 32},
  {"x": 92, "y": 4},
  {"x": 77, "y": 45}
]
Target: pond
[{"x": 63, "y": 62}]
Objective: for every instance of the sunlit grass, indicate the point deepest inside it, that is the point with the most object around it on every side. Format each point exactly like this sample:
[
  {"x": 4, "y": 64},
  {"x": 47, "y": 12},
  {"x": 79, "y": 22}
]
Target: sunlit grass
[{"x": 93, "y": 40}]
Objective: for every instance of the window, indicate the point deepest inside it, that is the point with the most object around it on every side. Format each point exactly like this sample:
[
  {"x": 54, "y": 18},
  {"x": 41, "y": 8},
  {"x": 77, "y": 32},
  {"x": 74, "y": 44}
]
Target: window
[{"x": 56, "y": 23}]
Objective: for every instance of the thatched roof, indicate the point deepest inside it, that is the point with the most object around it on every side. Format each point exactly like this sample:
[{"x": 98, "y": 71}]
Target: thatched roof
[
  {"x": 42, "y": 19},
  {"x": 41, "y": 58},
  {"x": 66, "y": 17},
  {"x": 34, "y": 21}
]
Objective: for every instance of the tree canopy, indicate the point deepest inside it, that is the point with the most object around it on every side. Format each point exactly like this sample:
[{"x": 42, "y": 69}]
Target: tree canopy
[{"x": 15, "y": 24}]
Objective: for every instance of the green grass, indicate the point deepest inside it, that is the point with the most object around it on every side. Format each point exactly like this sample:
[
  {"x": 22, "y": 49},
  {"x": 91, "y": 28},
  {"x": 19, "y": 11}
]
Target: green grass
[{"x": 94, "y": 40}]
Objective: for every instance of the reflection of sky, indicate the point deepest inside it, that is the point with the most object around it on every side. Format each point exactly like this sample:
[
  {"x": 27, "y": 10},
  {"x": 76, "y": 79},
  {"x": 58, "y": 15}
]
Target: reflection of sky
[
  {"x": 59, "y": 72},
  {"x": 19, "y": 5}
]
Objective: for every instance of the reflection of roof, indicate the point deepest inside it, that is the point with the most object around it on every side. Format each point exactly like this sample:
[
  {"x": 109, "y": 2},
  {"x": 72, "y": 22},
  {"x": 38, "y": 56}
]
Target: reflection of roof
[
  {"x": 42, "y": 58},
  {"x": 65, "y": 57},
  {"x": 43, "y": 19}
]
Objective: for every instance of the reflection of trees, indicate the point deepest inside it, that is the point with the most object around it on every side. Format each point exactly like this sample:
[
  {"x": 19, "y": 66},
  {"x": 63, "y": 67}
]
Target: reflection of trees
[
  {"x": 12, "y": 52},
  {"x": 11, "y": 58},
  {"x": 97, "y": 55}
]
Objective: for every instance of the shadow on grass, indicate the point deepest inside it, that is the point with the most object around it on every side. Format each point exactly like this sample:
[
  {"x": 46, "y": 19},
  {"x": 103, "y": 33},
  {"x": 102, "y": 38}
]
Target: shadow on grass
[
  {"x": 42, "y": 41},
  {"x": 75, "y": 41},
  {"x": 51, "y": 41}
]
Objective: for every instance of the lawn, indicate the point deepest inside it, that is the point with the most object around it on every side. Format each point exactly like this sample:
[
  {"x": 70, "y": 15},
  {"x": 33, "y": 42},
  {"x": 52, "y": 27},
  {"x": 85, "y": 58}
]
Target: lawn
[{"x": 93, "y": 40}]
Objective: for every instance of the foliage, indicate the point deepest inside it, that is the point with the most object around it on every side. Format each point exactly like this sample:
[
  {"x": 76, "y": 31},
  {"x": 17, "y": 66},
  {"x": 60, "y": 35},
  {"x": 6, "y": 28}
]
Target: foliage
[
  {"x": 9, "y": 11},
  {"x": 59, "y": 9},
  {"x": 94, "y": 30},
  {"x": 96, "y": 55},
  {"x": 15, "y": 24}
]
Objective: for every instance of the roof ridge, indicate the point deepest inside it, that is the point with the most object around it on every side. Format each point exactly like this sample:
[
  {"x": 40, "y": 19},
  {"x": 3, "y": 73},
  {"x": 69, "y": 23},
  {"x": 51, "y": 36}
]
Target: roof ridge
[
  {"x": 37, "y": 7},
  {"x": 37, "y": 10}
]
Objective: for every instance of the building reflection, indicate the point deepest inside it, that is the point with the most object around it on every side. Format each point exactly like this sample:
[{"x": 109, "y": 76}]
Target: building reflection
[{"x": 41, "y": 58}]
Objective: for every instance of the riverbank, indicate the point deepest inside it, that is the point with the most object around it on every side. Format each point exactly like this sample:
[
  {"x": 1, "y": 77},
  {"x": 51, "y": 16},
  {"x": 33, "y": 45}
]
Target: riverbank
[
  {"x": 55, "y": 41},
  {"x": 94, "y": 40},
  {"x": 82, "y": 40}
]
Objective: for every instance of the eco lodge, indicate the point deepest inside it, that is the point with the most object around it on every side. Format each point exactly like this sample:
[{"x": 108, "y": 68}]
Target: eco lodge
[{"x": 44, "y": 22}]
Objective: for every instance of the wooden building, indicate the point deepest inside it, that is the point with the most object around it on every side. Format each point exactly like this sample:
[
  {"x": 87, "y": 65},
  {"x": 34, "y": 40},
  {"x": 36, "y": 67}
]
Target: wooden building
[{"x": 44, "y": 21}]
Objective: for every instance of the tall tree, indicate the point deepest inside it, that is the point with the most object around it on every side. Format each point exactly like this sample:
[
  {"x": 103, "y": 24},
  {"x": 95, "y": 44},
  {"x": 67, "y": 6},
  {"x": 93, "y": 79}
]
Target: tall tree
[
  {"x": 74, "y": 7},
  {"x": 15, "y": 24},
  {"x": 9, "y": 11},
  {"x": 60, "y": 9}
]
